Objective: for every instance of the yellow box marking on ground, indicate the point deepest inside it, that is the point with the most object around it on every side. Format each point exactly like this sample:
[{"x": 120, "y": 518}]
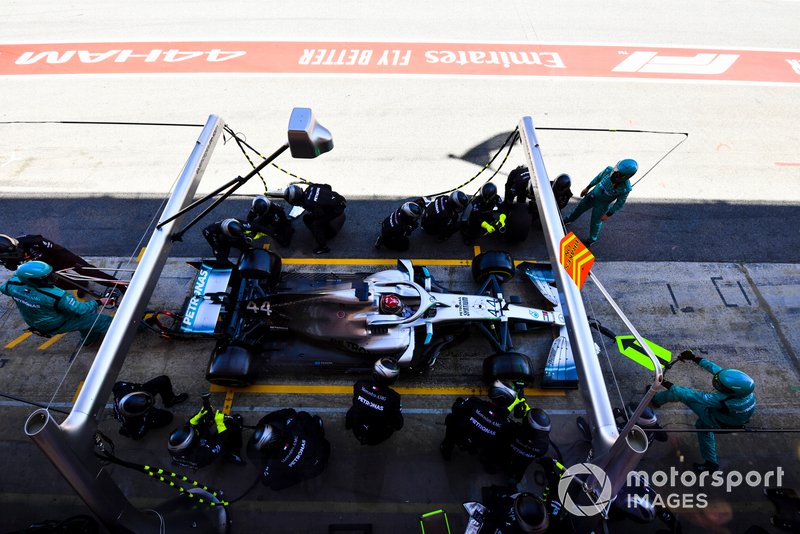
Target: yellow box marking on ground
[
  {"x": 454, "y": 262},
  {"x": 22, "y": 337},
  {"x": 50, "y": 341},
  {"x": 288, "y": 389},
  {"x": 141, "y": 253},
  {"x": 228, "y": 402},
  {"x": 372, "y": 261},
  {"x": 77, "y": 392}
]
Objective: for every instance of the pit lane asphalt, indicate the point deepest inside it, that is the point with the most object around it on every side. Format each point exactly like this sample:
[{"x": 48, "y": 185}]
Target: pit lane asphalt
[
  {"x": 644, "y": 231},
  {"x": 739, "y": 313}
]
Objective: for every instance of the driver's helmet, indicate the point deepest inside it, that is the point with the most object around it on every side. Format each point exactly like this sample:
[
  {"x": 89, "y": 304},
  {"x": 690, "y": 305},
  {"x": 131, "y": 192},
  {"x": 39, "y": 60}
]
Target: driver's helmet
[
  {"x": 181, "y": 439},
  {"x": 488, "y": 191},
  {"x": 390, "y": 304},
  {"x": 260, "y": 205},
  {"x": 293, "y": 195},
  {"x": 135, "y": 404},
  {"x": 386, "y": 370},
  {"x": 537, "y": 420},
  {"x": 264, "y": 436},
  {"x": 232, "y": 228},
  {"x": 9, "y": 247},
  {"x": 411, "y": 211},
  {"x": 35, "y": 273},
  {"x": 623, "y": 170},
  {"x": 458, "y": 200},
  {"x": 562, "y": 183},
  {"x": 530, "y": 513},
  {"x": 502, "y": 394},
  {"x": 733, "y": 382}
]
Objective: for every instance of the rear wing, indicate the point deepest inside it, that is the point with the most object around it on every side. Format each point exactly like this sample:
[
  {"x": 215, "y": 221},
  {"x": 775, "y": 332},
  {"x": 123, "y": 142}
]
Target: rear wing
[
  {"x": 560, "y": 370},
  {"x": 203, "y": 306}
]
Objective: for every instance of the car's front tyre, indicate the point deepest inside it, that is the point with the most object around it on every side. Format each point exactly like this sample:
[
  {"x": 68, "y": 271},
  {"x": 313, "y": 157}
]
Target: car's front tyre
[
  {"x": 513, "y": 366},
  {"x": 494, "y": 262}
]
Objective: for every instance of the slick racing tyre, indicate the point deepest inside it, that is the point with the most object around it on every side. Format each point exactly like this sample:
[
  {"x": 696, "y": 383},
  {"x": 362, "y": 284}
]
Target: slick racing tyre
[
  {"x": 260, "y": 264},
  {"x": 493, "y": 262},
  {"x": 231, "y": 366},
  {"x": 513, "y": 366}
]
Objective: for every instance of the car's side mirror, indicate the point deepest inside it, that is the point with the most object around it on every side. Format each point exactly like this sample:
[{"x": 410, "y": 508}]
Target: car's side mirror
[{"x": 307, "y": 138}]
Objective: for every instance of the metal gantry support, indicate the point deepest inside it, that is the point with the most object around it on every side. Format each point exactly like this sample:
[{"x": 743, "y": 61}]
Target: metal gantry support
[
  {"x": 590, "y": 377},
  {"x": 70, "y": 445},
  {"x": 616, "y": 453}
]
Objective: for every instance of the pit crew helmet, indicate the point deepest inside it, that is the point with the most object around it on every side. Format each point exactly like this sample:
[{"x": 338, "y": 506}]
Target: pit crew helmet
[
  {"x": 458, "y": 200},
  {"x": 733, "y": 382},
  {"x": 386, "y": 370},
  {"x": 181, "y": 439},
  {"x": 264, "y": 436},
  {"x": 35, "y": 273},
  {"x": 293, "y": 195},
  {"x": 626, "y": 168},
  {"x": 488, "y": 191},
  {"x": 562, "y": 183},
  {"x": 502, "y": 394},
  {"x": 411, "y": 210},
  {"x": 390, "y": 304},
  {"x": 260, "y": 205},
  {"x": 530, "y": 514},
  {"x": 135, "y": 404},
  {"x": 9, "y": 247},
  {"x": 648, "y": 419},
  {"x": 537, "y": 419},
  {"x": 232, "y": 228}
]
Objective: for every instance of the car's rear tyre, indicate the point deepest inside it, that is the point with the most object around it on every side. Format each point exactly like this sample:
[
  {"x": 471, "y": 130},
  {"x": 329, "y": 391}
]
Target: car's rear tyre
[
  {"x": 494, "y": 262},
  {"x": 231, "y": 366},
  {"x": 513, "y": 366},
  {"x": 260, "y": 264}
]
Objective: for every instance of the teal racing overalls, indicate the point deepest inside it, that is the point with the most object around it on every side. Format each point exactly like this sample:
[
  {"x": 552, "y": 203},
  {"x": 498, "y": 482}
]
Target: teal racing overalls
[
  {"x": 714, "y": 410},
  {"x": 51, "y": 310},
  {"x": 600, "y": 201}
]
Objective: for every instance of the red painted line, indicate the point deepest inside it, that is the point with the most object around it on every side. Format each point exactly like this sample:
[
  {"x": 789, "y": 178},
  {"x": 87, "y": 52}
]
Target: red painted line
[
  {"x": 787, "y": 164},
  {"x": 384, "y": 58}
]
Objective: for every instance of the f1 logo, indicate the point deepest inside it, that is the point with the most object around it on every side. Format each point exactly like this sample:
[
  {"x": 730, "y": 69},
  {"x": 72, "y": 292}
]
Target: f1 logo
[{"x": 651, "y": 62}]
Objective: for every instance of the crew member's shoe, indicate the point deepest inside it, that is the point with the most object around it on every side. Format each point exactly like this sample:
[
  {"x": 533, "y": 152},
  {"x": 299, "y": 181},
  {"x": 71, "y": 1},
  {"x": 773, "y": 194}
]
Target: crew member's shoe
[
  {"x": 177, "y": 399},
  {"x": 321, "y": 250}
]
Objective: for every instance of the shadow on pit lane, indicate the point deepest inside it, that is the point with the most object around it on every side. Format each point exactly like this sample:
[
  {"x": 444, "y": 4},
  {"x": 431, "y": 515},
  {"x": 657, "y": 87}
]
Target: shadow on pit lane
[{"x": 642, "y": 231}]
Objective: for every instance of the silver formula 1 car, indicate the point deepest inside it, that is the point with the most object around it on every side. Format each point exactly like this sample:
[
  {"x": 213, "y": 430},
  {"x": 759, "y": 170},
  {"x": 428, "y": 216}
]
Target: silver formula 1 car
[{"x": 261, "y": 315}]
